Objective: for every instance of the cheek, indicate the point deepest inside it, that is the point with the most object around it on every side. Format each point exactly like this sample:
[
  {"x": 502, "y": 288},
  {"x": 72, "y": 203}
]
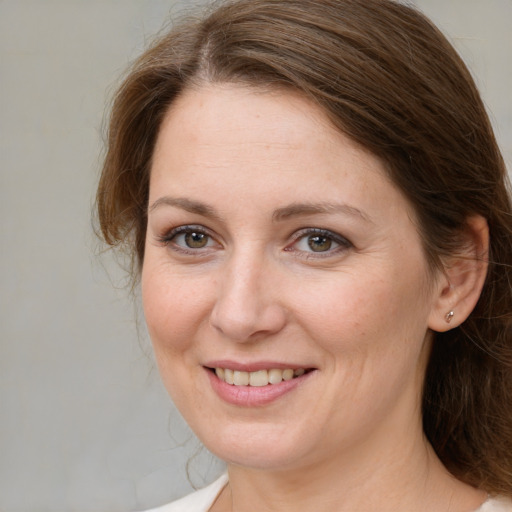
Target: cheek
[
  {"x": 363, "y": 314},
  {"x": 174, "y": 307},
  {"x": 373, "y": 337}
]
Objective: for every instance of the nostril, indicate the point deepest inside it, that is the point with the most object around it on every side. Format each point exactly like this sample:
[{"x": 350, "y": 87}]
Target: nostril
[{"x": 244, "y": 322}]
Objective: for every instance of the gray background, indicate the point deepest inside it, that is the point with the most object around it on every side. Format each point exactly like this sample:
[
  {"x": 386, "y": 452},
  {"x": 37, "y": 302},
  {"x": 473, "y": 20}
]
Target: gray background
[{"x": 85, "y": 424}]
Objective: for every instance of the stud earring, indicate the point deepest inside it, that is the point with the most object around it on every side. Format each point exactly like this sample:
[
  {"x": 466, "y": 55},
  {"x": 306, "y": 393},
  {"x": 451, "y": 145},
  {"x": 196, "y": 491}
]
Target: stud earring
[{"x": 449, "y": 316}]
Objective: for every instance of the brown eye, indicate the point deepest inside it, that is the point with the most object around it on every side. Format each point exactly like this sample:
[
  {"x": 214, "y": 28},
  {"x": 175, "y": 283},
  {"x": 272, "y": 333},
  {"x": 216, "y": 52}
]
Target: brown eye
[
  {"x": 188, "y": 238},
  {"x": 322, "y": 242},
  {"x": 195, "y": 240},
  {"x": 319, "y": 243}
]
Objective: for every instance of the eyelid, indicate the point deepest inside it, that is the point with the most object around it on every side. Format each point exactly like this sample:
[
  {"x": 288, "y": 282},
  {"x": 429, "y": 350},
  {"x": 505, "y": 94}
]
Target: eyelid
[
  {"x": 168, "y": 237},
  {"x": 342, "y": 241},
  {"x": 183, "y": 228}
]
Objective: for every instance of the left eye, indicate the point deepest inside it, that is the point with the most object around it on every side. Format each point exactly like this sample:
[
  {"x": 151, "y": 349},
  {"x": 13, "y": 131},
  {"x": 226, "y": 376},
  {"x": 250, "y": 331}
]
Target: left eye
[
  {"x": 316, "y": 243},
  {"x": 320, "y": 241}
]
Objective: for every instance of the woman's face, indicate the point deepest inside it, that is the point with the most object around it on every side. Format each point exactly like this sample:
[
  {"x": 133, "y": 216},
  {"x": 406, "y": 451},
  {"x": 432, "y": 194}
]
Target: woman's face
[{"x": 274, "y": 244}]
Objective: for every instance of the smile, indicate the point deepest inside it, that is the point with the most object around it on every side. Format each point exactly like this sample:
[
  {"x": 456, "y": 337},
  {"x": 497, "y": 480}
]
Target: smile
[
  {"x": 258, "y": 378},
  {"x": 256, "y": 384}
]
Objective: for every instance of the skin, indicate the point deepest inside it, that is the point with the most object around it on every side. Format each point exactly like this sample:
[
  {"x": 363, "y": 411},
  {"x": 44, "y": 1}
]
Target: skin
[{"x": 232, "y": 162}]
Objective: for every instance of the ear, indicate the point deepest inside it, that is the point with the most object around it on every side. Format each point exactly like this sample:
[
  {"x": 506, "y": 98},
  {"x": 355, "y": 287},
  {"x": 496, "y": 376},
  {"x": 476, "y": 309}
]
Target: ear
[{"x": 460, "y": 282}]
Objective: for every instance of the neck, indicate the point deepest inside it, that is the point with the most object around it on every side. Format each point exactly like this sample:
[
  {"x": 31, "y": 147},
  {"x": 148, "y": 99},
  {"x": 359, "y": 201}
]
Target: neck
[{"x": 406, "y": 476}]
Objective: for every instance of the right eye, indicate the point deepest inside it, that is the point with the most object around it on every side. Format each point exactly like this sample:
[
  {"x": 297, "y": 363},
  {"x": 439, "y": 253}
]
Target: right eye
[
  {"x": 188, "y": 238},
  {"x": 192, "y": 240}
]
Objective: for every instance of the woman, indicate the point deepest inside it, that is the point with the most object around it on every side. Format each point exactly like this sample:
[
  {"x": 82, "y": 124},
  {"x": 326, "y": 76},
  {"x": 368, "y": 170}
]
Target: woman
[{"x": 318, "y": 211}]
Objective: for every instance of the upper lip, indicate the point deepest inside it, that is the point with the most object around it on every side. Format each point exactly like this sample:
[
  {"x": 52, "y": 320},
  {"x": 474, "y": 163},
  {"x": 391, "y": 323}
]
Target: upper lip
[{"x": 254, "y": 366}]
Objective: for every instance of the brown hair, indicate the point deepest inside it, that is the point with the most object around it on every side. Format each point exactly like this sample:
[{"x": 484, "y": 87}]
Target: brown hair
[{"x": 391, "y": 81}]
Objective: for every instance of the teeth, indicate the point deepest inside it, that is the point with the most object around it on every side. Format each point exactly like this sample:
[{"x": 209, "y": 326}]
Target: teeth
[
  {"x": 259, "y": 378},
  {"x": 287, "y": 374},
  {"x": 241, "y": 378},
  {"x": 229, "y": 376},
  {"x": 275, "y": 376}
]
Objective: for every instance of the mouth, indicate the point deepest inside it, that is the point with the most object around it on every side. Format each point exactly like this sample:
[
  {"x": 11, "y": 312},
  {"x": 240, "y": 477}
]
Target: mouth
[
  {"x": 259, "y": 378},
  {"x": 256, "y": 384}
]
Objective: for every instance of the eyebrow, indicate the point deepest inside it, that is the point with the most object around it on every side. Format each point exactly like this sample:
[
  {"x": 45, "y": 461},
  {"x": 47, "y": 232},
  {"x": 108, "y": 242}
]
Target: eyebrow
[
  {"x": 186, "y": 204},
  {"x": 303, "y": 209},
  {"x": 281, "y": 214}
]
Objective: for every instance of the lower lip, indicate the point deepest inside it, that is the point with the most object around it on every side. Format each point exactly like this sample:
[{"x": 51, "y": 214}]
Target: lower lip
[{"x": 254, "y": 396}]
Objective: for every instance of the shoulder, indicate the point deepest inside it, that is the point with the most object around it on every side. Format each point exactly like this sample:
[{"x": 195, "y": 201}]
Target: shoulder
[
  {"x": 199, "y": 501},
  {"x": 498, "y": 504}
]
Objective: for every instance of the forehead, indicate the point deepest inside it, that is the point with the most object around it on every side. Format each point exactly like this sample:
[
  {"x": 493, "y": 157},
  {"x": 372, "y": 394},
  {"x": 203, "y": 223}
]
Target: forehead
[
  {"x": 275, "y": 133},
  {"x": 211, "y": 113}
]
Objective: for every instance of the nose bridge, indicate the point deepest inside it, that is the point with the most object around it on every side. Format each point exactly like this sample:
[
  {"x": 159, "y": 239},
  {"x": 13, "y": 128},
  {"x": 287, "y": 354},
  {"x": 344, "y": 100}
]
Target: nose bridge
[{"x": 245, "y": 305}]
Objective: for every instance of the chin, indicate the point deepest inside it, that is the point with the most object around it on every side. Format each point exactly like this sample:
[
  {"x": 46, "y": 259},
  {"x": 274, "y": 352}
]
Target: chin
[{"x": 256, "y": 447}]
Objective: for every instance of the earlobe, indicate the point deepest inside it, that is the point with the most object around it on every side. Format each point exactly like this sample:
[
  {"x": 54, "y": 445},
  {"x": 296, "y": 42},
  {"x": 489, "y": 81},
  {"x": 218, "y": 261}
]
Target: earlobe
[{"x": 462, "y": 279}]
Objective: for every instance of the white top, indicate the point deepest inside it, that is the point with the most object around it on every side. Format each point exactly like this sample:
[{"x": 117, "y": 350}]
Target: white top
[
  {"x": 202, "y": 500},
  {"x": 199, "y": 501},
  {"x": 495, "y": 505}
]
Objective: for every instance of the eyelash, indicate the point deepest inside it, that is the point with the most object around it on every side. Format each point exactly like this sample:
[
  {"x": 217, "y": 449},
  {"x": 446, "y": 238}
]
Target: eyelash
[
  {"x": 169, "y": 238},
  {"x": 342, "y": 243},
  {"x": 304, "y": 234}
]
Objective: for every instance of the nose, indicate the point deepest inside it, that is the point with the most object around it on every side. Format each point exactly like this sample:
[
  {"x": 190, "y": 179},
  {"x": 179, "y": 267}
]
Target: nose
[{"x": 248, "y": 305}]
